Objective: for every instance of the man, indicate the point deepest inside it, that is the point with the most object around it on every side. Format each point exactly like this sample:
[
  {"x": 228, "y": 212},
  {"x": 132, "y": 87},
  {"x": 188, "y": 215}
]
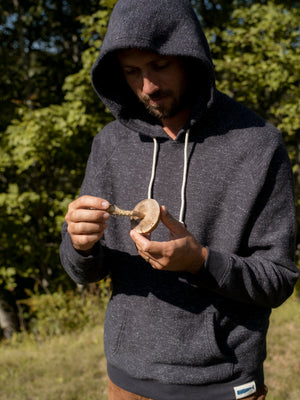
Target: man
[{"x": 189, "y": 311}]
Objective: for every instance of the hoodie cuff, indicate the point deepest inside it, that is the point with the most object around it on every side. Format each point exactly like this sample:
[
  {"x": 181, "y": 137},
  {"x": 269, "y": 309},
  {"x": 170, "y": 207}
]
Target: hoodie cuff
[
  {"x": 82, "y": 269},
  {"x": 216, "y": 267},
  {"x": 79, "y": 258}
]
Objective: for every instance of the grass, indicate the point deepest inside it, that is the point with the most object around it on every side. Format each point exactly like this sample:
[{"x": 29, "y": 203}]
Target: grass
[
  {"x": 282, "y": 367},
  {"x": 73, "y": 366},
  {"x": 68, "y": 367}
]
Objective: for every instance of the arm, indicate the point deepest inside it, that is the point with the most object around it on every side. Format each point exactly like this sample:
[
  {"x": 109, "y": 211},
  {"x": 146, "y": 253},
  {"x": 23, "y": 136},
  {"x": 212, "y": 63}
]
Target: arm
[
  {"x": 81, "y": 254},
  {"x": 246, "y": 279},
  {"x": 261, "y": 271}
]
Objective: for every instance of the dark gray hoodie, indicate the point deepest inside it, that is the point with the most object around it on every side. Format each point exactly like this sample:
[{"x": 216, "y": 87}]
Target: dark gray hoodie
[{"x": 175, "y": 335}]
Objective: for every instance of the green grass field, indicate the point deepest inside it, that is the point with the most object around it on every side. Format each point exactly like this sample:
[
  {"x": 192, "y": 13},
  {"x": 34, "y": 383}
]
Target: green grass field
[{"x": 73, "y": 366}]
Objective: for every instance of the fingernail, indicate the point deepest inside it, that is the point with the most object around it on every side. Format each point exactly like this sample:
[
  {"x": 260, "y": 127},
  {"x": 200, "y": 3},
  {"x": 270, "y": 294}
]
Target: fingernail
[
  {"x": 163, "y": 210},
  {"x": 106, "y": 216},
  {"x": 105, "y": 204}
]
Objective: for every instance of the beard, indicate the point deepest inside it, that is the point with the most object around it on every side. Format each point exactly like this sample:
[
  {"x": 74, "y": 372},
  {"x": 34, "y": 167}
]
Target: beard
[{"x": 168, "y": 110}]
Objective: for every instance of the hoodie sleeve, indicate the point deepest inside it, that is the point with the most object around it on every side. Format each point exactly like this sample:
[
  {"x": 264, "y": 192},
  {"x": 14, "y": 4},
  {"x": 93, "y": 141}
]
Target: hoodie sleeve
[
  {"x": 254, "y": 280},
  {"x": 82, "y": 269},
  {"x": 86, "y": 269},
  {"x": 264, "y": 272}
]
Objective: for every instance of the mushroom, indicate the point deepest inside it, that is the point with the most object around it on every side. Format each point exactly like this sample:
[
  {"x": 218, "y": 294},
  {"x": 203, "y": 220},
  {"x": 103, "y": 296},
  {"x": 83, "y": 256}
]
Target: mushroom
[
  {"x": 144, "y": 217},
  {"x": 151, "y": 211}
]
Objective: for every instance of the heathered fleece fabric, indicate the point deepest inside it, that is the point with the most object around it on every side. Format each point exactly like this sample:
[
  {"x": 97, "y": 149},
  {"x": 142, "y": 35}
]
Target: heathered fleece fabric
[{"x": 175, "y": 335}]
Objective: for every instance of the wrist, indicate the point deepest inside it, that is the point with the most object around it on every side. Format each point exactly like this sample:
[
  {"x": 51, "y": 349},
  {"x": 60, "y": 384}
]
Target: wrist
[
  {"x": 84, "y": 253},
  {"x": 87, "y": 251},
  {"x": 202, "y": 254}
]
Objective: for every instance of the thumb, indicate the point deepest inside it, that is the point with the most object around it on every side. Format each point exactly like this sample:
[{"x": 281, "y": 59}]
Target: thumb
[{"x": 176, "y": 228}]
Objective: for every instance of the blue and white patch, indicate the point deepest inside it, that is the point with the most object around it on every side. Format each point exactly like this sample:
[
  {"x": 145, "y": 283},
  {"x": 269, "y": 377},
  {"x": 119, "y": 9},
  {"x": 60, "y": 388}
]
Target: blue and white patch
[{"x": 244, "y": 390}]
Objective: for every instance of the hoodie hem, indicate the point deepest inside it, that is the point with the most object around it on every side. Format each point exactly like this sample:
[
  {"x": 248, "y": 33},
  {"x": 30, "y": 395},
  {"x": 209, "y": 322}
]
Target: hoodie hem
[{"x": 159, "y": 391}]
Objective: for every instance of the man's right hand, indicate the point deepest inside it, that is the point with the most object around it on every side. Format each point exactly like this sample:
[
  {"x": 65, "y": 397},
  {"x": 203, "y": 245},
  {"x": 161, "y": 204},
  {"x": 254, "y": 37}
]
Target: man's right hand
[{"x": 87, "y": 221}]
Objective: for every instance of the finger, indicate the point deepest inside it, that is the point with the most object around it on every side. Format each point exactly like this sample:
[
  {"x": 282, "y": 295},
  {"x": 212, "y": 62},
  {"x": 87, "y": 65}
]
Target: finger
[
  {"x": 90, "y": 202},
  {"x": 86, "y": 228},
  {"x": 147, "y": 248},
  {"x": 145, "y": 256},
  {"x": 149, "y": 258},
  {"x": 175, "y": 227},
  {"x": 154, "y": 250},
  {"x": 87, "y": 215},
  {"x": 142, "y": 242},
  {"x": 84, "y": 242}
]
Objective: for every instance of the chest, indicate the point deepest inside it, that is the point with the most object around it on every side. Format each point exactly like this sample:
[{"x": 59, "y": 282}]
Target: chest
[{"x": 214, "y": 193}]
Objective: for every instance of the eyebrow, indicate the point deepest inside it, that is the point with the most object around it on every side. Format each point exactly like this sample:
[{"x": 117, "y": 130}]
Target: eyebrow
[{"x": 125, "y": 64}]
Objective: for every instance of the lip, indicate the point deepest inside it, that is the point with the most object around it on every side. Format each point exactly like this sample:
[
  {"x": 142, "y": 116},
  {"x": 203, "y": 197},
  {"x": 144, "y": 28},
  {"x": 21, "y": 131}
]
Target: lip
[{"x": 157, "y": 100}]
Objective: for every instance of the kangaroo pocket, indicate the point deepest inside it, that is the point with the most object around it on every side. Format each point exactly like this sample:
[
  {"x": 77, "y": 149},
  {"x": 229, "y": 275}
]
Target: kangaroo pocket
[{"x": 172, "y": 345}]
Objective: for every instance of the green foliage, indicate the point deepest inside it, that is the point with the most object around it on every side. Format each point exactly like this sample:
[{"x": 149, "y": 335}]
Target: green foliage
[
  {"x": 43, "y": 155},
  {"x": 48, "y": 158},
  {"x": 63, "y": 311},
  {"x": 40, "y": 44},
  {"x": 7, "y": 278},
  {"x": 257, "y": 60}
]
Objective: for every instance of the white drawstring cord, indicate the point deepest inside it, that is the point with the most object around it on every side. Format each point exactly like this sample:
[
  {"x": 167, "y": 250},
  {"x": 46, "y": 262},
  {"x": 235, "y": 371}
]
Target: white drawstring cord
[
  {"x": 155, "y": 151},
  {"x": 184, "y": 179}
]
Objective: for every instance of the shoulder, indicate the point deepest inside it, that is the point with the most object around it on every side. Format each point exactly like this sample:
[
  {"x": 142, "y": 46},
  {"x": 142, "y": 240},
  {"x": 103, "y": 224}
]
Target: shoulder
[
  {"x": 110, "y": 135},
  {"x": 109, "y": 138},
  {"x": 105, "y": 143},
  {"x": 245, "y": 127}
]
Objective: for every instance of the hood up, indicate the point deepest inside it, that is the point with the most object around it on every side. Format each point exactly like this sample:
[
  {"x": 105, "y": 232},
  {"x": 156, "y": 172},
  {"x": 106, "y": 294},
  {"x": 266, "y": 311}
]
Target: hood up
[{"x": 166, "y": 27}]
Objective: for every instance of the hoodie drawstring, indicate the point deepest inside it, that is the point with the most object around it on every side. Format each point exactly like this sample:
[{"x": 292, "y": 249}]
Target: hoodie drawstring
[
  {"x": 184, "y": 178},
  {"x": 155, "y": 153},
  {"x": 185, "y": 171}
]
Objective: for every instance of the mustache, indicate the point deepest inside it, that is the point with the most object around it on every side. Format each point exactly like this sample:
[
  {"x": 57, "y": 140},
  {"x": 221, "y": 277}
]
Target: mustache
[{"x": 159, "y": 94}]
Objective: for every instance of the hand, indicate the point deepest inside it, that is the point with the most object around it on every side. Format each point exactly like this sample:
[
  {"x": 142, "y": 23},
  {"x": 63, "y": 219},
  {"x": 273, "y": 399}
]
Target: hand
[
  {"x": 182, "y": 253},
  {"x": 86, "y": 219}
]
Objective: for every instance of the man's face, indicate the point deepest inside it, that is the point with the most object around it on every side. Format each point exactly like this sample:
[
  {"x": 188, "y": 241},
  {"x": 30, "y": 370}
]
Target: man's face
[{"x": 160, "y": 82}]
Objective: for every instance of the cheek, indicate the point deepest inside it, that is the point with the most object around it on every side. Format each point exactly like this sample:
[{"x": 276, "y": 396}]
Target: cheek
[
  {"x": 180, "y": 80},
  {"x": 181, "y": 87},
  {"x": 134, "y": 85}
]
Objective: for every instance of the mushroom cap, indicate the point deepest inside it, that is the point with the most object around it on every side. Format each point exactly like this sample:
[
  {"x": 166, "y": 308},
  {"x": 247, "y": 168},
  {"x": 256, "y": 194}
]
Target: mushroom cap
[{"x": 151, "y": 211}]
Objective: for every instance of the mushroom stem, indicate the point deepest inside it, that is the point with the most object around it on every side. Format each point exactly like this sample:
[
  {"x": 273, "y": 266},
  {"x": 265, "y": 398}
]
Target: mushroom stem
[
  {"x": 144, "y": 217},
  {"x": 115, "y": 210}
]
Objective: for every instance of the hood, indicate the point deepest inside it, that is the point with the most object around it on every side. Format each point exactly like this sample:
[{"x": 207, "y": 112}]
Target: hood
[{"x": 166, "y": 27}]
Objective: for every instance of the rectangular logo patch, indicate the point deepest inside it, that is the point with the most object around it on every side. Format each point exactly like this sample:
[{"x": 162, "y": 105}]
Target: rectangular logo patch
[{"x": 245, "y": 390}]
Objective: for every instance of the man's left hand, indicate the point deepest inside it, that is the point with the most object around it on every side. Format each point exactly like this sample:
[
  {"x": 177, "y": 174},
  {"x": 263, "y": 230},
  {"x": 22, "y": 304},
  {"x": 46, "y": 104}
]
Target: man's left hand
[{"x": 182, "y": 253}]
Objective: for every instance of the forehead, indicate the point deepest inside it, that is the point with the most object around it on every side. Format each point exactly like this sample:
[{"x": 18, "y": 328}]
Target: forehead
[{"x": 138, "y": 57}]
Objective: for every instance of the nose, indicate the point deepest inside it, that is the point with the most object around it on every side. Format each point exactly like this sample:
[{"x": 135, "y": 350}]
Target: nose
[{"x": 149, "y": 86}]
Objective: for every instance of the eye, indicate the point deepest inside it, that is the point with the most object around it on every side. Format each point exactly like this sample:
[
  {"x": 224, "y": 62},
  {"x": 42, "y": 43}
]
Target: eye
[
  {"x": 130, "y": 71},
  {"x": 162, "y": 64}
]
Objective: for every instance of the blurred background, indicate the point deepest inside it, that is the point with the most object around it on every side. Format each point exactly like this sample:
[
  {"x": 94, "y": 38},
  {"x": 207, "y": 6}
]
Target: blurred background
[{"x": 49, "y": 115}]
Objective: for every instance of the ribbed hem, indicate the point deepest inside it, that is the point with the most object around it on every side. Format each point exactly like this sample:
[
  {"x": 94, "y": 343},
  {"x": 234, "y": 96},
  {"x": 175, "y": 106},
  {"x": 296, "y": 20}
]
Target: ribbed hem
[{"x": 159, "y": 391}]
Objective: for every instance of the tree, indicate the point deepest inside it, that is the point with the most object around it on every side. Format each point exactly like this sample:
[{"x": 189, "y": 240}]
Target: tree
[
  {"x": 257, "y": 59},
  {"x": 40, "y": 44},
  {"x": 42, "y": 160}
]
